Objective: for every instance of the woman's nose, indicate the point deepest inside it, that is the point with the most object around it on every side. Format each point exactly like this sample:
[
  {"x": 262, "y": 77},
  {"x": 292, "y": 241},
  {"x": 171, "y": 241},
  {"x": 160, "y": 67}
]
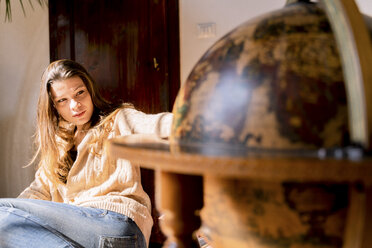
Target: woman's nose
[{"x": 74, "y": 104}]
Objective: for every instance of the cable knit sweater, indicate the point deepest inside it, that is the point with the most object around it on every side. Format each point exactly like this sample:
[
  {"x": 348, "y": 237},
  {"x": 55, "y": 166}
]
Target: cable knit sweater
[{"x": 99, "y": 181}]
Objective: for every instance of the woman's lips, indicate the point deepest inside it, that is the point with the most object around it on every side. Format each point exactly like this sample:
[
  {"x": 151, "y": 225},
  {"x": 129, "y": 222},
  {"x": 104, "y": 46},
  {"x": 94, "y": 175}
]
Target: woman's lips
[{"x": 79, "y": 114}]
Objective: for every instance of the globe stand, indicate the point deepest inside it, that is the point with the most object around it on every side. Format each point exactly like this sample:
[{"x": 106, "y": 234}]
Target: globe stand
[
  {"x": 355, "y": 48},
  {"x": 179, "y": 199},
  {"x": 237, "y": 194}
]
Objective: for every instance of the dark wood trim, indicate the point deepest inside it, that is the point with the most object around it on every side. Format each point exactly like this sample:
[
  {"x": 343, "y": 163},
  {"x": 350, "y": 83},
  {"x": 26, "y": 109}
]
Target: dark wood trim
[
  {"x": 173, "y": 50},
  {"x": 72, "y": 29},
  {"x": 61, "y": 43}
]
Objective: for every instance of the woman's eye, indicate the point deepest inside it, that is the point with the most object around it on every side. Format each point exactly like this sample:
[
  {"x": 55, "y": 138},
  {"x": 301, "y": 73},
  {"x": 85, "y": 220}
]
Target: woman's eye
[
  {"x": 61, "y": 100},
  {"x": 80, "y": 92}
]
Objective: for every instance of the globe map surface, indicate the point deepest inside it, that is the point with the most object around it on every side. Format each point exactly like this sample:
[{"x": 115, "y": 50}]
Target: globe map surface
[{"x": 275, "y": 82}]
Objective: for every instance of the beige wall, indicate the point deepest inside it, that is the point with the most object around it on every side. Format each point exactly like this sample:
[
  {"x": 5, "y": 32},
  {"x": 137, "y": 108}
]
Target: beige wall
[
  {"x": 226, "y": 14},
  {"x": 24, "y": 53},
  {"x": 365, "y": 6}
]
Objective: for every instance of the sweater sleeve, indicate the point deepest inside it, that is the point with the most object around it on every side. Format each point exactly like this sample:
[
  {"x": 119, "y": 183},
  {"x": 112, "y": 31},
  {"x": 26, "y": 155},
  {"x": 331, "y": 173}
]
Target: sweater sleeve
[
  {"x": 39, "y": 188},
  {"x": 131, "y": 121}
]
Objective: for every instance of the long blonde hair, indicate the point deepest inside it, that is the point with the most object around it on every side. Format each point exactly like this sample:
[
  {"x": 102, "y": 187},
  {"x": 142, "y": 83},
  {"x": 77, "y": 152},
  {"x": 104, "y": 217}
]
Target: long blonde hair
[{"x": 54, "y": 135}]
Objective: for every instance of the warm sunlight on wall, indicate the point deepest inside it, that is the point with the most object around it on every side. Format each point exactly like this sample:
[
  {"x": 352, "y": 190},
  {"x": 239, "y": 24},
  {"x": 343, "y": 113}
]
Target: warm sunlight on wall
[
  {"x": 24, "y": 53},
  {"x": 219, "y": 17}
]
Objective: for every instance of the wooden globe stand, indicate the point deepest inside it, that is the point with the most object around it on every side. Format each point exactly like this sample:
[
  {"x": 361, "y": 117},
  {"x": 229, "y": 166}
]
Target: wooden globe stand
[
  {"x": 253, "y": 200},
  {"x": 355, "y": 48},
  {"x": 187, "y": 182}
]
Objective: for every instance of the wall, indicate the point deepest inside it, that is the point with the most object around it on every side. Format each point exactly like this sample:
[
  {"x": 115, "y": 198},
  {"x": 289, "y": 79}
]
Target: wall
[
  {"x": 226, "y": 14},
  {"x": 24, "y": 53},
  {"x": 365, "y": 6}
]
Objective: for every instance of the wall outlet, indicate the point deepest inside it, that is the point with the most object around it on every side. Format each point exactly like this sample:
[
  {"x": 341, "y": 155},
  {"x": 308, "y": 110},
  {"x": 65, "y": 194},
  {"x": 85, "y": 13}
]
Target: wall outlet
[{"x": 206, "y": 30}]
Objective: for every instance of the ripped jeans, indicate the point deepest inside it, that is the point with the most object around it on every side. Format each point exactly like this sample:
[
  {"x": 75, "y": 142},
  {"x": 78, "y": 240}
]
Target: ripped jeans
[{"x": 37, "y": 224}]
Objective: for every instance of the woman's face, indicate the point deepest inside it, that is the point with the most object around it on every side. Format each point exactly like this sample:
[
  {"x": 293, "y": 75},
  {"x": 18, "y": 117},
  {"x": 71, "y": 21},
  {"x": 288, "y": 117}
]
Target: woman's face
[{"x": 72, "y": 101}]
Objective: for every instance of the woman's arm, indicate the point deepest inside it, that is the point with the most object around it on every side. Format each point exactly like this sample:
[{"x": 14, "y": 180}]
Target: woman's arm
[{"x": 131, "y": 121}]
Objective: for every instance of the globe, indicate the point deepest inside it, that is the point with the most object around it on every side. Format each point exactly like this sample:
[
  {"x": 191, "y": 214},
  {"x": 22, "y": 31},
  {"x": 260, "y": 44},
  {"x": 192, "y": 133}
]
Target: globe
[{"x": 273, "y": 83}]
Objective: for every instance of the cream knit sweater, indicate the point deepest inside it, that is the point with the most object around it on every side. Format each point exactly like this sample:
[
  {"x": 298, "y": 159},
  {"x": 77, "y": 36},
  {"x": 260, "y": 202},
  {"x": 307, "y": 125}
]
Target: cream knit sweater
[{"x": 100, "y": 182}]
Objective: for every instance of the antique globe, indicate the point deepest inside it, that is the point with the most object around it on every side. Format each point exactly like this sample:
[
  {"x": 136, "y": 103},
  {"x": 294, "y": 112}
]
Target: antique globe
[
  {"x": 272, "y": 86},
  {"x": 273, "y": 83}
]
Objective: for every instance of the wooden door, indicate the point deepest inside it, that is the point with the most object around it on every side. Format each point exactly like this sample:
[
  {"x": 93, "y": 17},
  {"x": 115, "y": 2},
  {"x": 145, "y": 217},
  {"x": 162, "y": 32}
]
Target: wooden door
[{"x": 130, "y": 47}]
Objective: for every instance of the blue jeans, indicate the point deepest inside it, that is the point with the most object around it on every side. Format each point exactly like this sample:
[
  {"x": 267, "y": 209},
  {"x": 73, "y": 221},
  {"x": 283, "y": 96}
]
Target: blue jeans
[{"x": 37, "y": 223}]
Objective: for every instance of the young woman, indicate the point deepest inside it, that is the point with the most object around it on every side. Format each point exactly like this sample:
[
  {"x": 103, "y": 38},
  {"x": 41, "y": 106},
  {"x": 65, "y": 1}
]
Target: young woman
[{"x": 81, "y": 197}]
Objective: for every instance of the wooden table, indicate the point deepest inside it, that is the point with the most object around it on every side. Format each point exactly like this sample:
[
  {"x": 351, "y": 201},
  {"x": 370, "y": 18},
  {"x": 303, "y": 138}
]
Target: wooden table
[{"x": 256, "y": 199}]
